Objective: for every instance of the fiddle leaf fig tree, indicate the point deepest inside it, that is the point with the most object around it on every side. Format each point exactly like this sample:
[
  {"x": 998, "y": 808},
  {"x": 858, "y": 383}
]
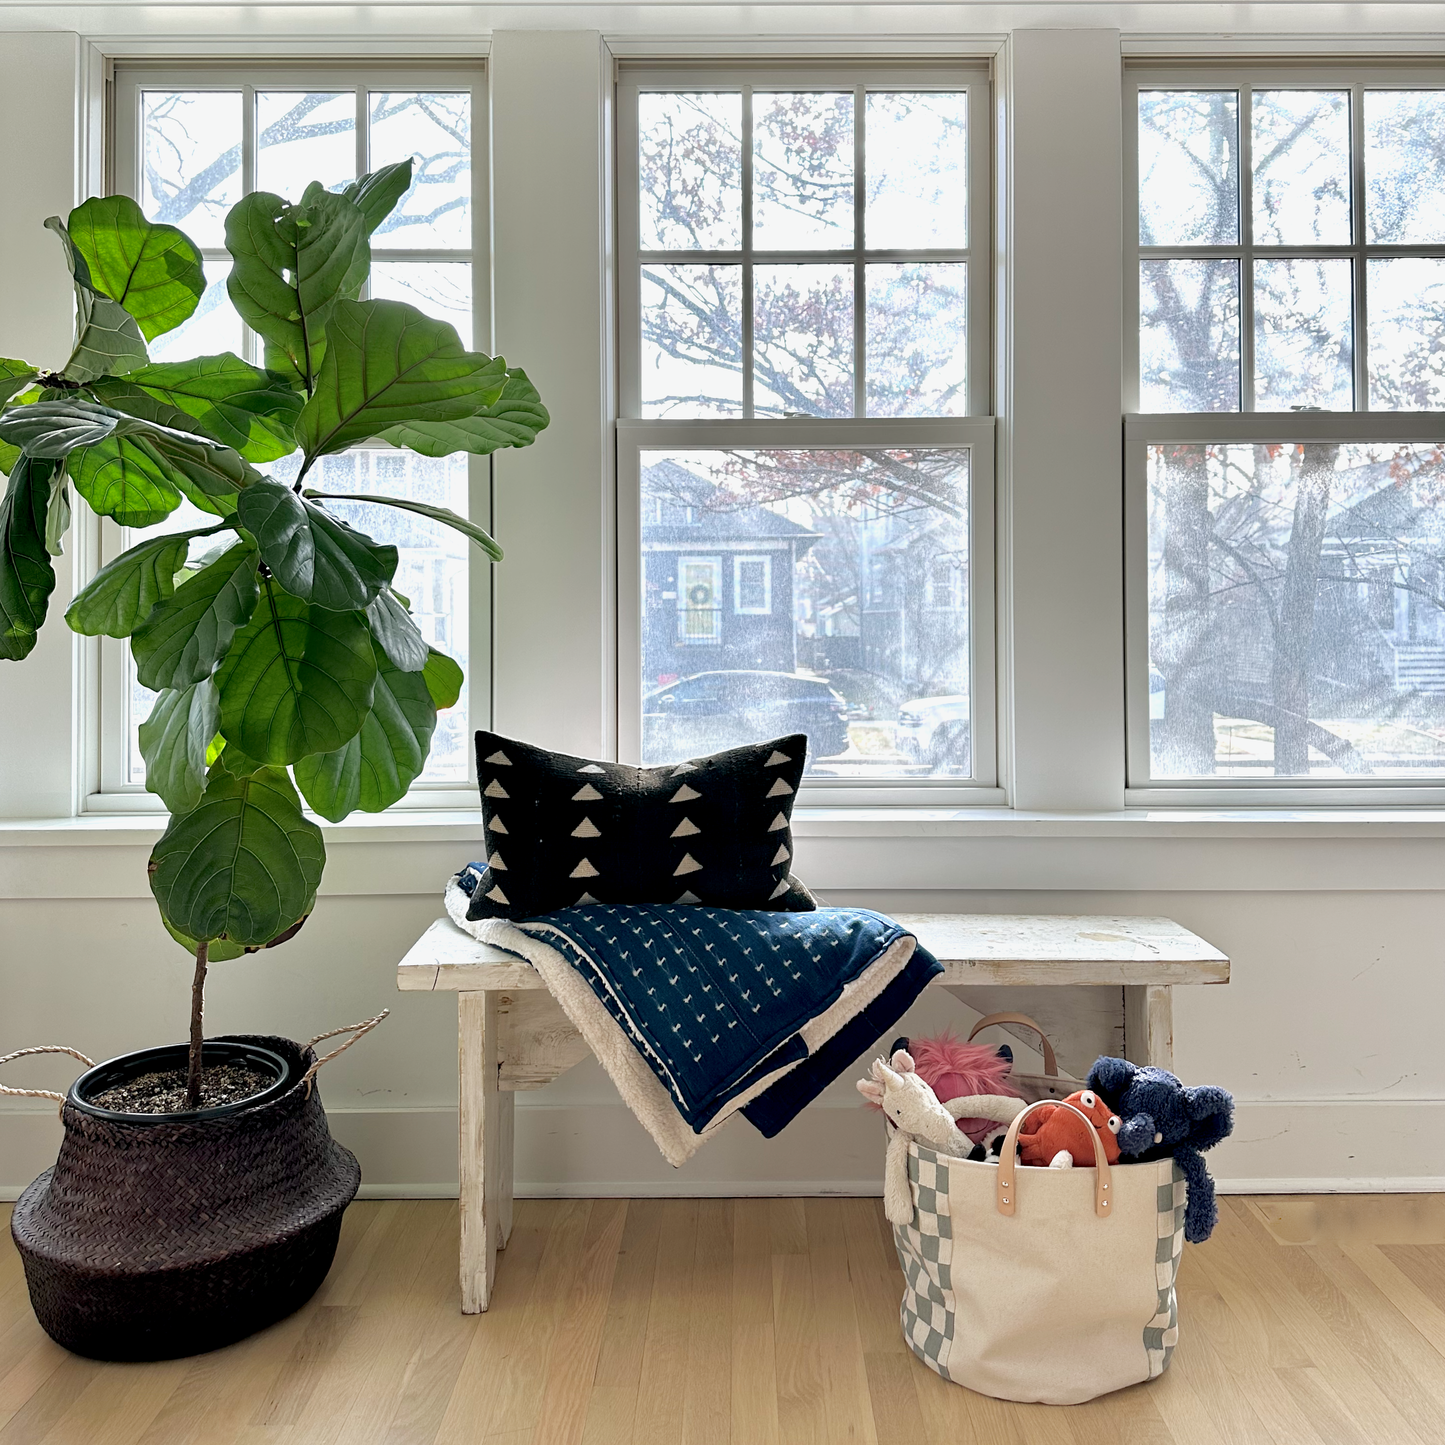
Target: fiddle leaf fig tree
[{"x": 289, "y": 671}]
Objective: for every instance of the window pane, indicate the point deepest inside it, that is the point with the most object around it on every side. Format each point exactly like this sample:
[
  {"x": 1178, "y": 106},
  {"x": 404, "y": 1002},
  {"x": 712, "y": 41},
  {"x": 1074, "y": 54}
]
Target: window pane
[
  {"x": 1405, "y": 166},
  {"x": 1188, "y": 167},
  {"x": 191, "y": 160},
  {"x": 1189, "y": 336},
  {"x": 435, "y": 128},
  {"x": 211, "y": 328},
  {"x": 858, "y": 647},
  {"x": 431, "y": 572},
  {"x": 1301, "y": 161},
  {"x": 803, "y": 340},
  {"x": 1303, "y": 354},
  {"x": 802, "y": 171},
  {"x": 916, "y": 154},
  {"x": 440, "y": 288},
  {"x": 690, "y": 168},
  {"x": 1296, "y": 611},
  {"x": 692, "y": 341},
  {"x": 917, "y": 339},
  {"x": 303, "y": 137},
  {"x": 1407, "y": 333}
]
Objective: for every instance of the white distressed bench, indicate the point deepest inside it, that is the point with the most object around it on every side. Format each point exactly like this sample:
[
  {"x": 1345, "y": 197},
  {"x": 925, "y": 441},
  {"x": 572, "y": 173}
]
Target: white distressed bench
[{"x": 1106, "y": 981}]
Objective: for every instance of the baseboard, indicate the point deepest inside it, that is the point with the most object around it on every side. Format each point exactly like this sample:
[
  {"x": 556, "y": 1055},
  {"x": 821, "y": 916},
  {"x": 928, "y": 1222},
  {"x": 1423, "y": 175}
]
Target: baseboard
[{"x": 599, "y": 1150}]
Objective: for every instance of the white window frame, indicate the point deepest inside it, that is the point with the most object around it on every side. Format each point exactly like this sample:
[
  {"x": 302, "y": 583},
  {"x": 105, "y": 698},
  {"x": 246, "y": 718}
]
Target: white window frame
[
  {"x": 765, "y": 560},
  {"x": 973, "y": 433},
  {"x": 106, "y": 788}
]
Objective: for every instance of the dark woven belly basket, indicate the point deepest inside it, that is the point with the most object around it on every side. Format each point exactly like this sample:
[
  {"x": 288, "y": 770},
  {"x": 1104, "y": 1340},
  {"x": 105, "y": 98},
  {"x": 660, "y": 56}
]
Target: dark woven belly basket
[{"x": 150, "y": 1240}]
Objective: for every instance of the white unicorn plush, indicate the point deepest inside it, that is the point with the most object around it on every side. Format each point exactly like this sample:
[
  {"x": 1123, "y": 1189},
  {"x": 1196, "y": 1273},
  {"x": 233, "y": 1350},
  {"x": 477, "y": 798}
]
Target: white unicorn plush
[{"x": 914, "y": 1112}]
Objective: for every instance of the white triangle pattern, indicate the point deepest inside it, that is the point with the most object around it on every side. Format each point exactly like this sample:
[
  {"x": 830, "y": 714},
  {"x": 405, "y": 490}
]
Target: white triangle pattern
[
  {"x": 777, "y": 759},
  {"x": 586, "y": 898},
  {"x": 689, "y": 897},
  {"x": 586, "y": 794},
  {"x": 685, "y": 829},
  {"x": 780, "y": 821},
  {"x": 499, "y": 759},
  {"x": 781, "y": 856},
  {"x": 587, "y": 829},
  {"x": 778, "y": 790},
  {"x": 497, "y": 896},
  {"x": 689, "y": 864},
  {"x": 684, "y": 795},
  {"x": 591, "y": 768},
  {"x": 495, "y": 862},
  {"x": 495, "y": 790},
  {"x": 497, "y": 826},
  {"x": 583, "y": 870},
  {"x": 683, "y": 768},
  {"x": 778, "y": 892}
]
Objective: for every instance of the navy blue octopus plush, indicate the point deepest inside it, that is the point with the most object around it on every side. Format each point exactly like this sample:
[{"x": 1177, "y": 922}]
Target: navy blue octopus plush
[{"x": 1162, "y": 1118}]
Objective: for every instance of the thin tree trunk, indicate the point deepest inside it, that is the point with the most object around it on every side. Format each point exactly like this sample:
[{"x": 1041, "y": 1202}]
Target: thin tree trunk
[
  {"x": 198, "y": 996},
  {"x": 1294, "y": 631}
]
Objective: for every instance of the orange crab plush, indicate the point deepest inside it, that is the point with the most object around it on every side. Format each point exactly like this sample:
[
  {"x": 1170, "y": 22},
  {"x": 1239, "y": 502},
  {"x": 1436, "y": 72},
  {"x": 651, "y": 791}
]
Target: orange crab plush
[{"x": 1057, "y": 1137}]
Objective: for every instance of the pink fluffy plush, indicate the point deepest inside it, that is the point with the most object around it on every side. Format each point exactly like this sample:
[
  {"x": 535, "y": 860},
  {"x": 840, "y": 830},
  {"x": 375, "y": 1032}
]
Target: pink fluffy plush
[{"x": 953, "y": 1069}]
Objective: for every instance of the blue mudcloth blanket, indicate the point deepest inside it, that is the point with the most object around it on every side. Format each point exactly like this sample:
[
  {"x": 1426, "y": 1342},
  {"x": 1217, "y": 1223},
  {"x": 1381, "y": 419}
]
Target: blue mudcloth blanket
[{"x": 715, "y": 998}]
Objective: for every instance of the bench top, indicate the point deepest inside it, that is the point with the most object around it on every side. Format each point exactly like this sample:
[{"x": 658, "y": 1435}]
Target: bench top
[{"x": 974, "y": 948}]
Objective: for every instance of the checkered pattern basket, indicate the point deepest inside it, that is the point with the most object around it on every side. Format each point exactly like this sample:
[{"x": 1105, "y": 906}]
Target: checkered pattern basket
[{"x": 1054, "y": 1304}]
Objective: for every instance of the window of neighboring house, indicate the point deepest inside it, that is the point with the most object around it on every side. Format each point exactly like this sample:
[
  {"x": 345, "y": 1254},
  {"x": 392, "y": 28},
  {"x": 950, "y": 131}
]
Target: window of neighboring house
[
  {"x": 1287, "y": 477},
  {"x": 753, "y": 585},
  {"x": 189, "y": 142},
  {"x": 804, "y": 343}
]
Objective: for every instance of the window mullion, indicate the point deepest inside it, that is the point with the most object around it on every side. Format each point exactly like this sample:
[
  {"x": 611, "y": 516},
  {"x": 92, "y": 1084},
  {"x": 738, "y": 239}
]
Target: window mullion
[
  {"x": 747, "y": 239},
  {"x": 250, "y": 342},
  {"x": 1360, "y": 342},
  {"x": 1245, "y": 113},
  {"x": 860, "y": 314}
]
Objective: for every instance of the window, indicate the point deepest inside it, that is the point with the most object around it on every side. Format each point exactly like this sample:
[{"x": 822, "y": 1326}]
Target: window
[
  {"x": 804, "y": 344},
  {"x": 189, "y": 142},
  {"x": 1285, "y": 603}
]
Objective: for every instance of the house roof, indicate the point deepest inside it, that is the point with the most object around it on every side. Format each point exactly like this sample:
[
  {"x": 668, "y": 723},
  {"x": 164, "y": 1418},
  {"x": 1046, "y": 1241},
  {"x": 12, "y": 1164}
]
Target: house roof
[{"x": 719, "y": 518}]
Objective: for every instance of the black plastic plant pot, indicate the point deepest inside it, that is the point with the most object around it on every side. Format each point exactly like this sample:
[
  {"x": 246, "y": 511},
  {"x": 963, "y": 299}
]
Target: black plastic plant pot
[{"x": 162, "y": 1235}]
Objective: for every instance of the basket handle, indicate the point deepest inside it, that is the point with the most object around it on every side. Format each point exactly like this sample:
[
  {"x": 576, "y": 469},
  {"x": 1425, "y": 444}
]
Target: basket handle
[
  {"x": 1008, "y": 1161},
  {"x": 43, "y": 1049},
  {"x": 356, "y": 1031},
  {"x": 1051, "y": 1064}
]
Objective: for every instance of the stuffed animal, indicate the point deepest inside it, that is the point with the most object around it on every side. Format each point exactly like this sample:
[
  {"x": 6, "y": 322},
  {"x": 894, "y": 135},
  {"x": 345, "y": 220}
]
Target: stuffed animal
[
  {"x": 913, "y": 1111},
  {"x": 953, "y": 1069},
  {"x": 1060, "y": 1139},
  {"x": 1163, "y": 1119}
]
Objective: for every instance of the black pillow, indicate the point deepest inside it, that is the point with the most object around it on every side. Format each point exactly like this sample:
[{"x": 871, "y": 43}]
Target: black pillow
[{"x": 563, "y": 830}]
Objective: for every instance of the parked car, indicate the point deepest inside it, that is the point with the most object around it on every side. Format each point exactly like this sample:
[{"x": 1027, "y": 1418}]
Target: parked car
[
  {"x": 935, "y": 731},
  {"x": 714, "y": 710}
]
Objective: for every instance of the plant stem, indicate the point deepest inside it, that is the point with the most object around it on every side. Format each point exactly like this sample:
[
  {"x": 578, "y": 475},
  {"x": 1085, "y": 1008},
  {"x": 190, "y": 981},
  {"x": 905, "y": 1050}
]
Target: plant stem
[{"x": 198, "y": 994}]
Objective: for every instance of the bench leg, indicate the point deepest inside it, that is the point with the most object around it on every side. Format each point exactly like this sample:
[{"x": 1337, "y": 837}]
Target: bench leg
[
  {"x": 485, "y": 1148},
  {"x": 1149, "y": 1025}
]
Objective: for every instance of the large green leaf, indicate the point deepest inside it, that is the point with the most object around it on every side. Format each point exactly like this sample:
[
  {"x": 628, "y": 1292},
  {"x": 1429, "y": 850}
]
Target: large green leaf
[
  {"x": 314, "y": 556},
  {"x": 27, "y": 576},
  {"x": 153, "y": 271},
  {"x": 55, "y": 428},
  {"x": 244, "y": 864},
  {"x": 122, "y": 478},
  {"x": 291, "y": 265},
  {"x": 443, "y": 677},
  {"x": 378, "y": 765},
  {"x": 121, "y": 595},
  {"x": 14, "y": 376},
  {"x": 513, "y": 420},
  {"x": 444, "y": 515},
  {"x": 228, "y": 399},
  {"x": 188, "y": 633},
  {"x": 174, "y": 739},
  {"x": 107, "y": 339},
  {"x": 57, "y": 514},
  {"x": 211, "y": 476},
  {"x": 398, "y": 636},
  {"x": 387, "y": 363},
  {"x": 298, "y": 679},
  {"x": 377, "y": 192}
]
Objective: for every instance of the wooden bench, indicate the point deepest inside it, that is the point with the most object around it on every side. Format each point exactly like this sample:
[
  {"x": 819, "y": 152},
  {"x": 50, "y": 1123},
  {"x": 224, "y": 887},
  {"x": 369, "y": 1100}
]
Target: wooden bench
[{"x": 1105, "y": 989}]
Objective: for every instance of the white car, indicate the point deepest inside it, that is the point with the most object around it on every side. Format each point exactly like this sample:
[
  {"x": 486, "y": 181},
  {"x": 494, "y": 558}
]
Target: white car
[{"x": 935, "y": 731}]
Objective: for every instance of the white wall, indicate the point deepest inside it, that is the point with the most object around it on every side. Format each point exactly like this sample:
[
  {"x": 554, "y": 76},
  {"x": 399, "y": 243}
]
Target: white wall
[{"x": 1328, "y": 1033}]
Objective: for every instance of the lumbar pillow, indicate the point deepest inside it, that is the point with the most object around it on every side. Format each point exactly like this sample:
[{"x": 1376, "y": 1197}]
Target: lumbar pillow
[{"x": 562, "y": 830}]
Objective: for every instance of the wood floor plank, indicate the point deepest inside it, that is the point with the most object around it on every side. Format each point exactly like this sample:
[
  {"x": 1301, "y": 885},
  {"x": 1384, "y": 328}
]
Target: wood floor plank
[
  {"x": 753, "y": 1355},
  {"x": 892, "y": 1399},
  {"x": 119, "y": 1404},
  {"x": 839, "y": 1346},
  {"x": 802, "y": 1413},
  {"x": 619, "y": 1365},
  {"x": 707, "y": 1403},
  {"x": 661, "y": 1387},
  {"x": 1402, "y": 1291}
]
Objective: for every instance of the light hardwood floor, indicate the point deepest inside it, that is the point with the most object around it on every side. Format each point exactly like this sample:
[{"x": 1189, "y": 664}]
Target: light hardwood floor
[{"x": 1319, "y": 1321}]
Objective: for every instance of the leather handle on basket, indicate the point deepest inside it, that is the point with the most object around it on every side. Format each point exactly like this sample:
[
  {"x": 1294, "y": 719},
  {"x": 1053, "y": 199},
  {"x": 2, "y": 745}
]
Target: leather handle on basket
[
  {"x": 1051, "y": 1064},
  {"x": 1008, "y": 1162}
]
